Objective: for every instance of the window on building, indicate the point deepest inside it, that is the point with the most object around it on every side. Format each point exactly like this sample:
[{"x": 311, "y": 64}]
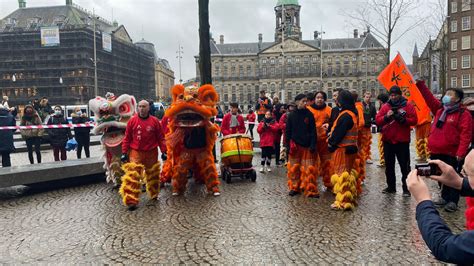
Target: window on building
[
  {"x": 297, "y": 60},
  {"x": 454, "y": 25},
  {"x": 216, "y": 71},
  {"x": 272, "y": 61},
  {"x": 264, "y": 71},
  {"x": 249, "y": 71},
  {"x": 264, "y": 61},
  {"x": 465, "y": 5},
  {"x": 466, "y": 80},
  {"x": 466, "y": 23},
  {"x": 454, "y": 6},
  {"x": 454, "y": 63},
  {"x": 466, "y": 61},
  {"x": 241, "y": 71},
  {"x": 354, "y": 58},
  {"x": 454, "y": 82},
  {"x": 466, "y": 42},
  {"x": 234, "y": 96},
  {"x": 454, "y": 45}
]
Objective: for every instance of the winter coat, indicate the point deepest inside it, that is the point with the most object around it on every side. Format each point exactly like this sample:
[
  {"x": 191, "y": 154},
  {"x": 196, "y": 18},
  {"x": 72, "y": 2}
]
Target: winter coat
[
  {"x": 455, "y": 135},
  {"x": 58, "y": 136},
  {"x": 394, "y": 131},
  {"x": 267, "y": 133},
  {"x": 227, "y": 130},
  {"x": 282, "y": 125},
  {"x": 369, "y": 114},
  {"x": 81, "y": 131},
  {"x": 31, "y": 121},
  {"x": 6, "y": 136}
]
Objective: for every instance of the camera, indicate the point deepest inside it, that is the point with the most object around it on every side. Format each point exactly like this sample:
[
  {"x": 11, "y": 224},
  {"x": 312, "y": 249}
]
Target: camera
[{"x": 426, "y": 169}]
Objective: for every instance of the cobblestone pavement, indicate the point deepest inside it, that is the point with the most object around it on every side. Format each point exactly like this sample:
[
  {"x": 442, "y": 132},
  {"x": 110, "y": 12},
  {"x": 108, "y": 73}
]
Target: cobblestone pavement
[{"x": 249, "y": 223}]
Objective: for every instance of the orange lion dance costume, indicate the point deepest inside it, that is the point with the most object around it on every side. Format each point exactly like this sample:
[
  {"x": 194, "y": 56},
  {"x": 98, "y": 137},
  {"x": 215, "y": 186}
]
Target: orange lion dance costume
[
  {"x": 191, "y": 137},
  {"x": 422, "y": 133}
]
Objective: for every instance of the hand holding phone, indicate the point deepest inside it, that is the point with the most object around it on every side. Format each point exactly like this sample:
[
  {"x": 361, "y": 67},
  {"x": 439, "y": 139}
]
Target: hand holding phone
[{"x": 427, "y": 169}]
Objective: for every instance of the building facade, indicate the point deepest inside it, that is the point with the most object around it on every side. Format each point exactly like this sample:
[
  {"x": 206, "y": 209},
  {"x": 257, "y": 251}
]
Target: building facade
[
  {"x": 461, "y": 46},
  {"x": 432, "y": 64},
  {"x": 164, "y": 76},
  {"x": 241, "y": 70},
  {"x": 64, "y": 72}
]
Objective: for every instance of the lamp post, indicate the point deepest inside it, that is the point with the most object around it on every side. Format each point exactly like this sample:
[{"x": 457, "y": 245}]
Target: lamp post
[
  {"x": 321, "y": 55},
  {"x": 179, "y": 56},
  {"x": 94, "y": 60},
  {"x": 283, "y": 26}
]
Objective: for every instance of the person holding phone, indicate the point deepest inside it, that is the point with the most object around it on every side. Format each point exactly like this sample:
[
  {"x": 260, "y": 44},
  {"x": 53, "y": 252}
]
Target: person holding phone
[
  {"x": 445, "y": 246},
  {"x": 450, "y": 136}
]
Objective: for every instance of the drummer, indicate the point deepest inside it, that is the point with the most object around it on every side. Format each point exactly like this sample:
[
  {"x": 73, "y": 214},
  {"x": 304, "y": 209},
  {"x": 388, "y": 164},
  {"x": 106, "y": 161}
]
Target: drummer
[{"x": 233, "y": 122}]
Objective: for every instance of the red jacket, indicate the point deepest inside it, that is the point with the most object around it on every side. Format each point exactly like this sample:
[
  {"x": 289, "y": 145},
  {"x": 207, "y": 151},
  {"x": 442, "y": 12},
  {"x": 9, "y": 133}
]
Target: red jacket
[
  {"x": 164, "y": 125},
  {"x": 251, "y": 117},
  {"x": 227, "y": 130},
  {"x": 393, "y": 131},
  {"x": 455, "y": 136},
  {"x": 282, "y": 124},
  {"x": 267, "y": 134},
  {"x": 143, "y": 135}
]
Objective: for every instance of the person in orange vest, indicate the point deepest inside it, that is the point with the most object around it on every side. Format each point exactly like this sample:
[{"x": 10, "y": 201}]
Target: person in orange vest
[
  {"x": 301, "y": 144},
  {"x": 361, "y": 142},
  {"x": 342, "y": 143},
  {"x": 264, "y": 104},
  {"x": 322, "y": 114}
]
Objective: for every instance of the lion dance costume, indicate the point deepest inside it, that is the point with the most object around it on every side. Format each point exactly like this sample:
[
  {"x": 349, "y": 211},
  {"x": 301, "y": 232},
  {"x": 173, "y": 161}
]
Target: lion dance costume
[
  {"x": 191, "y": 138},
  {"x": 363, "y": 143},
  {"x": 422, "y": 133},
  {"x": 323, "y": 164},
  {"x": 142, "y": 138},
  {"x": 345, "y": 175},
  {"x": 111, "y": 116}
]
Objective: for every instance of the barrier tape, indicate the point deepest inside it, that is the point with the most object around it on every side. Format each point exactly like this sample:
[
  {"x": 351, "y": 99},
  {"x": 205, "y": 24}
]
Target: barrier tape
[{"x": 47, "y": 126}]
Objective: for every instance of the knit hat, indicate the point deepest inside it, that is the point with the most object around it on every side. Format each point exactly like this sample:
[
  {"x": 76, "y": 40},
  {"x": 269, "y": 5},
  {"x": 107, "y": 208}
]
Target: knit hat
[{"x": 395, "y": 90}]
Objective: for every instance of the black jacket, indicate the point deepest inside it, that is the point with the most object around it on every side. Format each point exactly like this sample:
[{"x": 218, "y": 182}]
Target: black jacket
[
  {"x": 58, "y": 136},
  {"x": 369, "y": 114},
  {"x": 445, "y": 246},
  {"x": 301, "y": 128},
  {"x": 6, "y": 136},
  {"x": 334, "y": 114},
  {"x": 81, "y": 131}
]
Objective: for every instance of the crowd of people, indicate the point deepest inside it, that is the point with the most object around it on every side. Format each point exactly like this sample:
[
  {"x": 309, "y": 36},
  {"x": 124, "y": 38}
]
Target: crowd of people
[{"x": 316, "y": 140}]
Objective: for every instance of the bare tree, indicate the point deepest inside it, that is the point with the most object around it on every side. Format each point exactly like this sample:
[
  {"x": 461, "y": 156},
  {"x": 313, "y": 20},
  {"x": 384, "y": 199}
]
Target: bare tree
[{"x": 389, "y": 20}]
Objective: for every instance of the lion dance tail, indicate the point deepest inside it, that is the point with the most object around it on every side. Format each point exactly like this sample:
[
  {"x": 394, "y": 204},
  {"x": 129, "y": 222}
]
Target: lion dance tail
[{"x": 152, "y": 178}]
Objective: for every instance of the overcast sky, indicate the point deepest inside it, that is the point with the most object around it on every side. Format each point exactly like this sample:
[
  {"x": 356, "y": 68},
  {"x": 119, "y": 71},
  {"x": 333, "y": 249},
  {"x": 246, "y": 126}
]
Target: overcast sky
[{"x": 168, "y": 23}]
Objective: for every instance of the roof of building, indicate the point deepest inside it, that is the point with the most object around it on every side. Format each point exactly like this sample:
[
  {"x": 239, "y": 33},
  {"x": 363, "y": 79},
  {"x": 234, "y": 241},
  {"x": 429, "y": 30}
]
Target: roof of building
[
  {"x": 369, "y": 41},
  {"x": 287, "y": 2},
  {"x": 415, "y": 51},
  {"x": 31, "y": 18},
  {"x": 163, "y": 62},
  {"x": 427, "y": 48}
]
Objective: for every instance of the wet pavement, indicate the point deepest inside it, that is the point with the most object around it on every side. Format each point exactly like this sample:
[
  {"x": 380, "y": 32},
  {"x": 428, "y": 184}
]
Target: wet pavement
[{"x": 251, "y": 223}]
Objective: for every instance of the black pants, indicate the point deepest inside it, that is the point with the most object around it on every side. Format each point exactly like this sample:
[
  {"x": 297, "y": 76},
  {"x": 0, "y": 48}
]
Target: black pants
[
  {"x": 449, "y": 194},
  {"x": 83, "y": 141},
  {"x": 266, "y": 155},
  {"x": 277, "y": 151},
  {"x": 251, "y": 126},
  {"x": 6, "y": 162},
  {"x": 36, "y": 142},
  {"x": 402, "y": 152}
]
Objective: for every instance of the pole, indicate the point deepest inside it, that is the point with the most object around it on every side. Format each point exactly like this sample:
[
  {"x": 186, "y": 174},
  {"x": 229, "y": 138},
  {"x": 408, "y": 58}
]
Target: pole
[
  {"x": 321, "y": 60},
  {"x": 430, "y": 78},
  {"x": 367, "y": 67},
  {"x": 180, "y": 52},
  {"x": 204, "y": 43},
  {"x": 96, "y": 90},
  {"x": 283, "y": 94}
]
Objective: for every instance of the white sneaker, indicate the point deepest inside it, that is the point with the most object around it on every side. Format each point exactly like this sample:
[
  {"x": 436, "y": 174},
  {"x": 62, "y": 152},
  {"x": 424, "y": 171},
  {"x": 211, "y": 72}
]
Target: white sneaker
[
  {"x": 175, "y": 194},
  {"x": 216, "y": 194},
  {"x": 369, "y": 161},
  {"x": 269, "y": 169},
  {"x": 261, "y": 170}
]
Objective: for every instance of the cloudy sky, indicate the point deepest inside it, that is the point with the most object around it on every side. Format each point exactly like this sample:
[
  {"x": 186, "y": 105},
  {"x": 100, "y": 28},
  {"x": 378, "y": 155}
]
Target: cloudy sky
[{"x": 169, "y": 23}]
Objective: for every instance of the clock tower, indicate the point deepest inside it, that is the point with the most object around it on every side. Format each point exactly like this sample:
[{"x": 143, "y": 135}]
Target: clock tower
[{"x": 287, "y": 14}]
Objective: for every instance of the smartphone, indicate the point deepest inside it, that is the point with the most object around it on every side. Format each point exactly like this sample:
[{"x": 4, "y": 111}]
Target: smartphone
[{"x": 426, "y": 169}]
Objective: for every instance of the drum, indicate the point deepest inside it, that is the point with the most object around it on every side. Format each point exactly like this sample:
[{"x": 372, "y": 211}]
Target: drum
[{"x": 236, "y": 148}]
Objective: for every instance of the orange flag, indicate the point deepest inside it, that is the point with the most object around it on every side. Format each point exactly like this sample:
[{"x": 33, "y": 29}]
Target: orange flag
[{"x": 397, "y": 73}]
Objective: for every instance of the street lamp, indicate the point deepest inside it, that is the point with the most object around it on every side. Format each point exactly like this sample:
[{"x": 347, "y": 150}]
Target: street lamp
[
  {"x": 94, "y": 60},
  {"x": 179, "y": 56},
  {"x": 321, "y": 59},
  {"x": 283, "y": 28}
]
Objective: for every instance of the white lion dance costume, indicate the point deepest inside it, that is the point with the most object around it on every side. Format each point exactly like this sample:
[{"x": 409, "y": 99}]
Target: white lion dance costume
[{"x": 111, "y": 116}]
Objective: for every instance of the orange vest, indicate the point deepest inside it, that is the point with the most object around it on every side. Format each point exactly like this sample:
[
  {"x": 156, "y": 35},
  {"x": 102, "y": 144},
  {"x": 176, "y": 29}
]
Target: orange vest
[
  {"x": 360, "y": 112},
  {"x": 262, "y": 110},
  {"x": 321, "y": 117},
  {"x": 350, "y": 139}
]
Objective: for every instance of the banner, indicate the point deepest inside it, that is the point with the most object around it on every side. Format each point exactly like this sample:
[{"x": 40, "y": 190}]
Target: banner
[
  {"x": 107, "y": 42},
  {"x": 397, "y": 73},
  {"x": 49, "y": 36}
]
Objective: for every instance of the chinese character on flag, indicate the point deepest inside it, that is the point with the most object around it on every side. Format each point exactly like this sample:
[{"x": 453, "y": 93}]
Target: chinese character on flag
[{"x": 397, "y": 73}]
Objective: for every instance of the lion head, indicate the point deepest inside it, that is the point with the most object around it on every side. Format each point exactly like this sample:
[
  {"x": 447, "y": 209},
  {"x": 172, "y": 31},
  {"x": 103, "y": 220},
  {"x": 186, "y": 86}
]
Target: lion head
[{"x": 192, "y": 106}]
